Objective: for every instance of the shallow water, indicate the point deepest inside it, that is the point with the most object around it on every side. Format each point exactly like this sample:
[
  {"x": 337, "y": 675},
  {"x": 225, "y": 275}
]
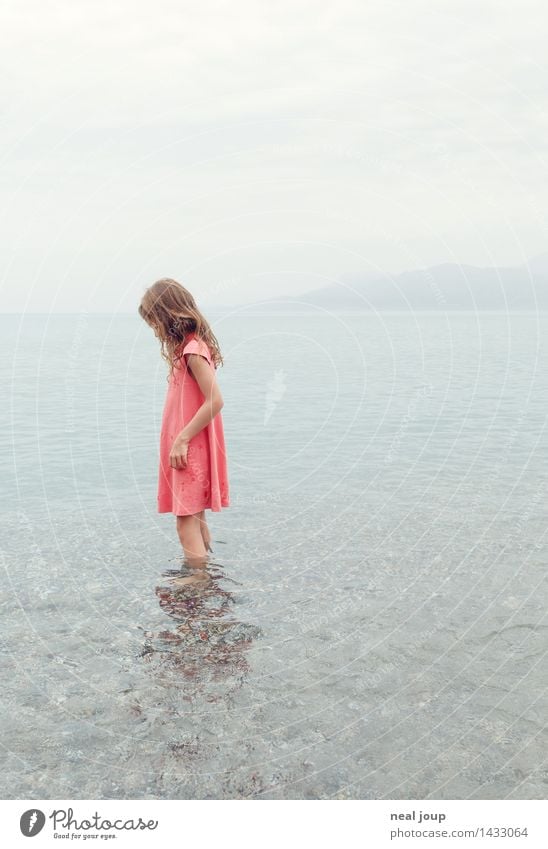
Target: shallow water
[{"x": 374, "y": 620}]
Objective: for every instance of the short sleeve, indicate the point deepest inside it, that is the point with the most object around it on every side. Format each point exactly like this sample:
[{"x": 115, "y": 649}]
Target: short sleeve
[{"x": 198, "y": 346}]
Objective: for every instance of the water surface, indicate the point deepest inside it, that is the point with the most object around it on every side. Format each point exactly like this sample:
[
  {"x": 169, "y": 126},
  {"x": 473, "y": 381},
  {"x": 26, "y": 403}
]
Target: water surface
[{"x": 374, "y": 620}]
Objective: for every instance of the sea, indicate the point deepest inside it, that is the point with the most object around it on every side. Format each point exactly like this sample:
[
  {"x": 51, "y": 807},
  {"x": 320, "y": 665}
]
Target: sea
[{"x": 373, "y": 623}]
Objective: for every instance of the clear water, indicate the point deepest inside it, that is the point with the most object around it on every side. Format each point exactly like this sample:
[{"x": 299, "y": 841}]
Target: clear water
[{"x": 375, "y": 620}]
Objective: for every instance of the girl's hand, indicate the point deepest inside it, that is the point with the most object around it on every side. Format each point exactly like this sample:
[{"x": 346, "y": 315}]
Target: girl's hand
[{"x": 178, "y": 454}]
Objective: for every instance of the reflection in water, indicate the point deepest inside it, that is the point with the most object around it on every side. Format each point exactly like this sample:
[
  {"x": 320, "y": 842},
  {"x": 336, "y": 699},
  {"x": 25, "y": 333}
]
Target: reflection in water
[{"x": 207, "y": 643}]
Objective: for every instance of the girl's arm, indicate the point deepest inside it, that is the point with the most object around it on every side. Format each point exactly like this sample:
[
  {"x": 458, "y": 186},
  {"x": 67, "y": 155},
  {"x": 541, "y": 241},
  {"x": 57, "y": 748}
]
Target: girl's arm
[{"x": 205, "y": 378}]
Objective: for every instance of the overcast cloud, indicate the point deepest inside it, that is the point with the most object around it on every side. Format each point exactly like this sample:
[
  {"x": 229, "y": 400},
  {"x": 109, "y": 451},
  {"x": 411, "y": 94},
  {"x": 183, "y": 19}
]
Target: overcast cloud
[{"x": 250, "y": 149}]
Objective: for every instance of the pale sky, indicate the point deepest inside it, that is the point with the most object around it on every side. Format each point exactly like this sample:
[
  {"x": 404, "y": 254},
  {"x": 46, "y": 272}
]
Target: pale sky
[{"x": 251, "y": 149}]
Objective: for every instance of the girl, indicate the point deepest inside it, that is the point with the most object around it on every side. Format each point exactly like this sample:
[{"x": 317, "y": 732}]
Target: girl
[{"x": 193, "y": 473}]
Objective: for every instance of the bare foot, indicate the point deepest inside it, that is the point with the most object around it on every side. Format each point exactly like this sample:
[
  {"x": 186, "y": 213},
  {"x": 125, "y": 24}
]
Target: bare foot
[
  {"x": 196, "y": 561},
  {"x": 201, "y": 577}
]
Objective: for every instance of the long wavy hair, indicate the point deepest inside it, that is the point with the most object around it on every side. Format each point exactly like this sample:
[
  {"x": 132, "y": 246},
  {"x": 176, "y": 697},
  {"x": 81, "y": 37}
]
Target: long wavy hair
[{"x": 172, "y": 313}]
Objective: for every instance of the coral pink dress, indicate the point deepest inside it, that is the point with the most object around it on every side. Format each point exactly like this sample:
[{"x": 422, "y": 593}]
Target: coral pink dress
[{"x": 203, "y": 483}]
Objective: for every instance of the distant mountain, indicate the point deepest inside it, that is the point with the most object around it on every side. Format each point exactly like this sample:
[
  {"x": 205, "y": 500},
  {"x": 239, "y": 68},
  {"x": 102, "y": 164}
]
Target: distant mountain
[{"x": 442, "y": 287}]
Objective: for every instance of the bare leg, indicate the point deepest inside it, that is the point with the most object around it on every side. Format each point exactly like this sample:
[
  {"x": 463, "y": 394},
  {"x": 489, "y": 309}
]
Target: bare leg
[
  {"x": 190, "y": 536},
  {"x": 206, "y": 536}
]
